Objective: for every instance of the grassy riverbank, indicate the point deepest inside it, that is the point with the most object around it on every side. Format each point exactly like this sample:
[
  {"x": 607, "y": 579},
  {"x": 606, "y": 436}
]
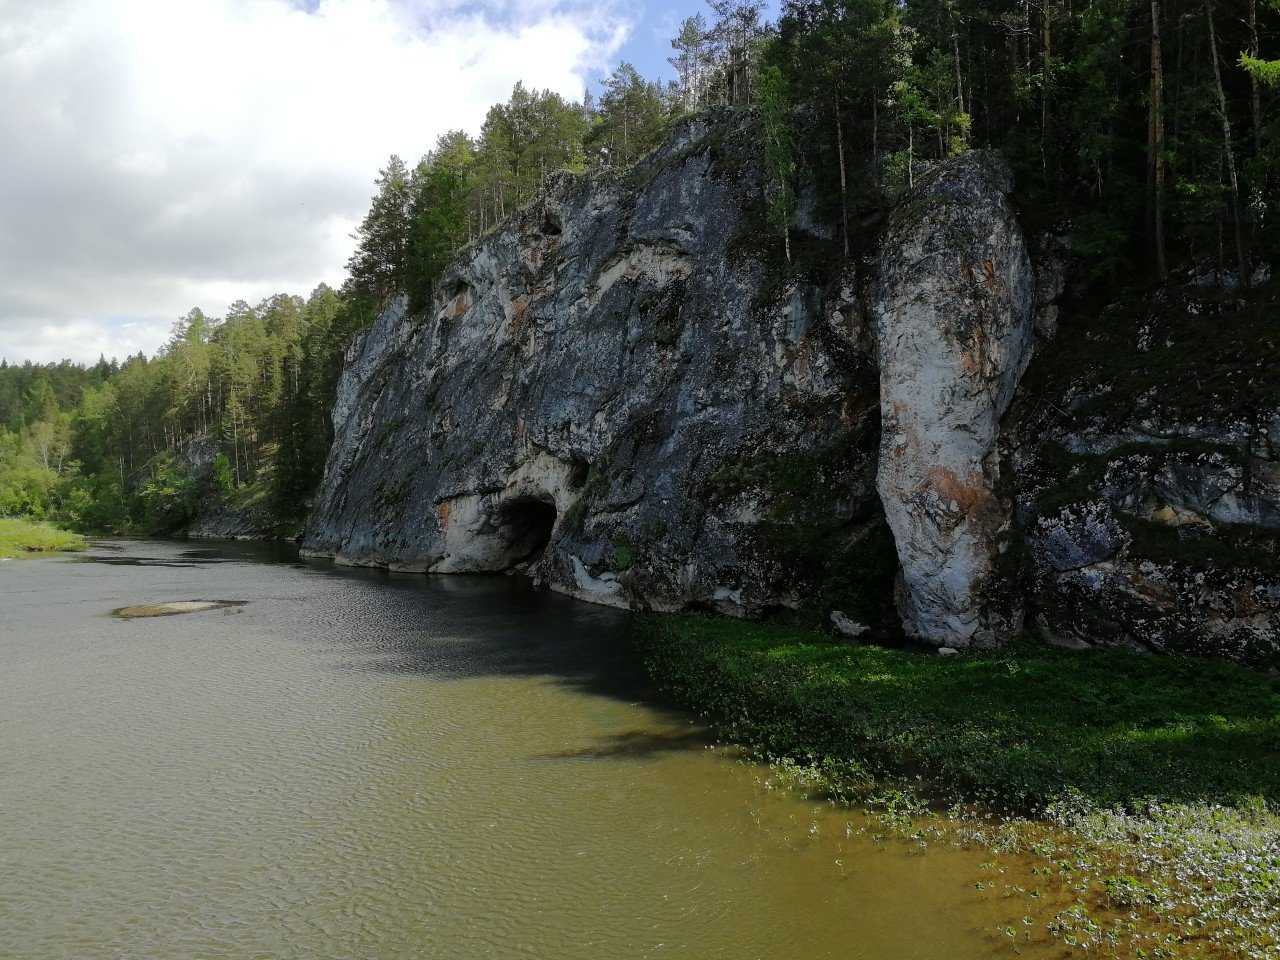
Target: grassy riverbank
[
  {"x": 25, "y": 538},
  {"x": 1016, "y": 729},
  {"x": 1150, "y": 786}
]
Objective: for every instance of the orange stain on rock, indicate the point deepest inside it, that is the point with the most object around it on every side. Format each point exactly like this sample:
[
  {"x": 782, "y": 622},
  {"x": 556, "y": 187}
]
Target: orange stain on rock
[{"x": 970, "y": 497}]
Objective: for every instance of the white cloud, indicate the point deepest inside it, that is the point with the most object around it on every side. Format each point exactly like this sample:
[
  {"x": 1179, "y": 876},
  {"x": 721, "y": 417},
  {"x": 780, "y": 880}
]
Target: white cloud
[{"x": 163, "y": 154}]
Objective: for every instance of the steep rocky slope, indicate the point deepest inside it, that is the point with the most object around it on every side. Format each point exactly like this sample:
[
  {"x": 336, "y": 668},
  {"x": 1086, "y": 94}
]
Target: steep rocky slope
[
  {"x": 1146, "y": 451},
  {"x": 617, "y": 393},
  {"x": 624, "y": 393}
]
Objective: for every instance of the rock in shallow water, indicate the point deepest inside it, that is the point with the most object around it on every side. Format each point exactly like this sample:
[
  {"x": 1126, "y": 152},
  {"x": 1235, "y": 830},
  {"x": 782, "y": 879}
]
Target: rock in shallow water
[{"x": 173, "y": 608}]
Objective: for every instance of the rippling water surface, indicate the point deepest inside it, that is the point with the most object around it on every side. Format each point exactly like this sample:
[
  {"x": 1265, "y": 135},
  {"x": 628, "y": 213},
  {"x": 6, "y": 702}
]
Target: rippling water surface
[{"x": 360, "y": 765}]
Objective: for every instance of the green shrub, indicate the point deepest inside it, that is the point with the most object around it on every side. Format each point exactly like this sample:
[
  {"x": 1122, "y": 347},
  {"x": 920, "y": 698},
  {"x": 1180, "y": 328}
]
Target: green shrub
[{"x": 24, "y": 537}]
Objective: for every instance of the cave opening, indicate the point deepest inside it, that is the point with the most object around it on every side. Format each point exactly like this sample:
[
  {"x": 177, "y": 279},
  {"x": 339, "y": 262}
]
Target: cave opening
[
  {"x": 551, "y": 225},
  {"x": 525, "y": 525}
]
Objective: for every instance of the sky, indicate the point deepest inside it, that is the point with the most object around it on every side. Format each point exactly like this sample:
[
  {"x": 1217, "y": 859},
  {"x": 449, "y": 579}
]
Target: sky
[{"x": 159, "y": 155}]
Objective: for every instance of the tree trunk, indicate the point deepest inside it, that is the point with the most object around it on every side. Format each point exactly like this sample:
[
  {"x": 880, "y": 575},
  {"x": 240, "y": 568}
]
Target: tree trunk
[
  {"x": 1232, "y": 178},
  {"x": 1156, "y": 142},
  {"x": 875, "y": 137},
  {"x": 1046, "y": 55},
  {"x": 955, "y": 53},
  {"x": 844, "y": 188},
  {"x": 1175, "y": 105},
  {"x": 1255, "y": 97},
  {"x": 235, "y": 447},
  {"x": 911, "y": 156}
]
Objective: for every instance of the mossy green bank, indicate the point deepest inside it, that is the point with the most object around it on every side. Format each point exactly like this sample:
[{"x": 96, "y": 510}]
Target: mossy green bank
[
  {"x": 1144, "y": 790},
  {"x": 1016, "y": 729},
  {"x": 24, "y": 538}
]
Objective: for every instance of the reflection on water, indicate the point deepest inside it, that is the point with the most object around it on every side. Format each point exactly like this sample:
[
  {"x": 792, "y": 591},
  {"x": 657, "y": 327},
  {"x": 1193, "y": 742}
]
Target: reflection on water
[{"x": 357, "y": 764}]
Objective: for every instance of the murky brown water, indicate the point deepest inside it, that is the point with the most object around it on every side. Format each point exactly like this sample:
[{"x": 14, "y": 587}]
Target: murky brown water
[{"x": 357, "y": 765}]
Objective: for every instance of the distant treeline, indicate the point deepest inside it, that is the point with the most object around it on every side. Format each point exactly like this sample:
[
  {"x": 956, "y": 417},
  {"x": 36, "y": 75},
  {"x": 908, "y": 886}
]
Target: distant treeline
[
  {"x": 127, "y": 446},
  {"x": 1147, "y": 129}
]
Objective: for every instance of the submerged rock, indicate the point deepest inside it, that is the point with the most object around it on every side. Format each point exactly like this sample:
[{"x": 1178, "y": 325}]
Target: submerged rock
[{"x": 174, "y": 607}]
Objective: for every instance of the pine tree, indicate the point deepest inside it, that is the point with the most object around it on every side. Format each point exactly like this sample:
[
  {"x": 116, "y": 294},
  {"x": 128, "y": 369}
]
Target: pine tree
[
  {"x": 378, "y": 266},
  {"x": 779, "y": 152}
]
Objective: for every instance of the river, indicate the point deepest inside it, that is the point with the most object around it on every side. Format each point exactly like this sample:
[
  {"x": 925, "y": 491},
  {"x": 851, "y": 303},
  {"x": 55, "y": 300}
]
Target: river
[{"x": 356, "y": 764}]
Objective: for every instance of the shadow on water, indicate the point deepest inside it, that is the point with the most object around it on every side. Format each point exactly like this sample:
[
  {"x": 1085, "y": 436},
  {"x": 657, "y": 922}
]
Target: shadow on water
[
  {"x": 137, "y": 561},
  {"x": 1137, "y": 727},
  {"x": 462, "y": 627},
  {"x": 465, "y": 626},
  {"x": 635, "y": 745},
  {"x": 230, "y": 551},
  {"x": 446, "y": 627}
]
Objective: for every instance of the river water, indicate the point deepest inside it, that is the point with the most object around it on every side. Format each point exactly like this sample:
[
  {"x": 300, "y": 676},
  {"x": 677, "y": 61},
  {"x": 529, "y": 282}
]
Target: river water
[{"x": 354, "y": 764}]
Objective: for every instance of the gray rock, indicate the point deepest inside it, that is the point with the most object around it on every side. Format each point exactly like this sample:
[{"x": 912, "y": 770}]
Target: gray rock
[
  {"x": 847, "y": 627},
  {"x": 1051, "y": 265},
  {"x": 620, "y": 393},
  {"x": 952, "y": 308},
  {"x": 1147, "y": 484},
  {"x": 1077, "y": 536},
  {"x": 222, "y": 521},
  {"x": 1207, "y": 274}
]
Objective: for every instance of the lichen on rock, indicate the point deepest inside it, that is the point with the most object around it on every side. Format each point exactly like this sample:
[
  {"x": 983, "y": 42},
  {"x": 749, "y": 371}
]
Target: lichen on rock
[{"x": 1146, "y": 479}]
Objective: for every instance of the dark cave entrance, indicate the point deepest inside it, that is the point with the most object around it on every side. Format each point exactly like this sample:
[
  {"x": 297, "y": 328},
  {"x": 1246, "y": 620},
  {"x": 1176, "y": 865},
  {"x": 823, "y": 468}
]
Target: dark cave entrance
[{"x": 525, "y": 525}]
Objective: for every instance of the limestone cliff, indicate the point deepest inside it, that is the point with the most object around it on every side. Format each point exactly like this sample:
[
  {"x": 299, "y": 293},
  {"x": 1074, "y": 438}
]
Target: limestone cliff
[
  {"x": 625, "y": 394},
  {"x": 953, "y": 316},
  {"x": 1145, "y": 444},
  {"x": 617, "y": 393}
]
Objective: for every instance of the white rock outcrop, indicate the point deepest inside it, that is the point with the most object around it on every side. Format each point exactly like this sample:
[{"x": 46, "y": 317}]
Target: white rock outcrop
[{"x": 953, "y": 314}]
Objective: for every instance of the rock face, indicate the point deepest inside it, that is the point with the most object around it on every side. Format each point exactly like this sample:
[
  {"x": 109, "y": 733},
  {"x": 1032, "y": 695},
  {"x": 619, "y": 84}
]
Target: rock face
[
  {"x": 224, "y": 521},
  {"x": 620, "y": 393},
  {"x": 1145, "y": 443},
  {"x": 246, "y": 515},
  {"x": 624, "y": 393},
  {"x": 953, "y": 318}
]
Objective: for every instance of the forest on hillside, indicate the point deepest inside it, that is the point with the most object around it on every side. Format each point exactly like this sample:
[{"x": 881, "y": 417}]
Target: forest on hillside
[{"x": 1147, "y": 131}]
